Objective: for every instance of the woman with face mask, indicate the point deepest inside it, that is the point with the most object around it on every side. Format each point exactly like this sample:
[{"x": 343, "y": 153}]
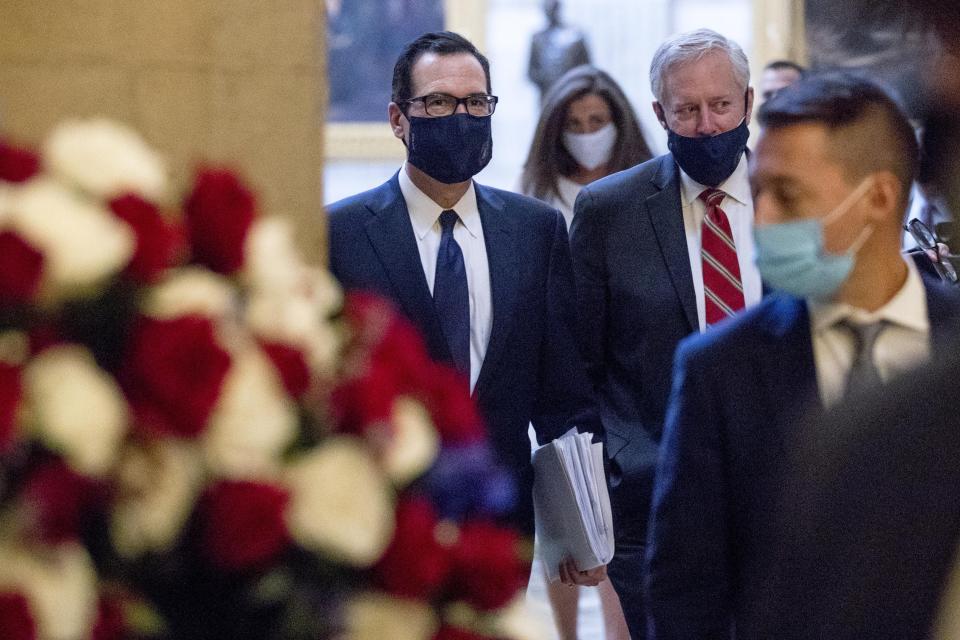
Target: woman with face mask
[{"x": 587, "y": 130}]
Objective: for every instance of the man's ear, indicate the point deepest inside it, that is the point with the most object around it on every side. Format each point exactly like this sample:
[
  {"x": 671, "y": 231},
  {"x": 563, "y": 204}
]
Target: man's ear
[
  {"x": 885, "y": 198},
  {"x": 658, "y": 111},
  {"x": 395, "y": 115},
  {"x": 749, "y": 99}
]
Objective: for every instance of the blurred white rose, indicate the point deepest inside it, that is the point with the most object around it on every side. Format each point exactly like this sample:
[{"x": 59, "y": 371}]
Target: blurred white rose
[
  {"x": 76, "y": 407},
  {"x": 157, "y": 486},
  {"x": 375, "y": 616},
  {"x": 191, "y": 291},
  {"x": 82, "y": 243},
  {"x": 272, "y": 262},
  {"x": 519, "y": 621},
  {"x": 254, "y": 420},
  {"x": 414, "y": 444},
  {"x": 341, "y": 504},
  {"x": 294, "y": 320},
  {"x": 106, "y": 159},
  {"x": 59, "y": 584}
]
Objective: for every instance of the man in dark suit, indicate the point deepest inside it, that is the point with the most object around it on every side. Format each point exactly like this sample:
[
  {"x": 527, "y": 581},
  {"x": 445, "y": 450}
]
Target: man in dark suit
[
  {"x": 831, "y": 180},
  {"x": 485, "y": 274},
  {"x": 661, "y": 251},
  {"x": 865, "y": 531}
]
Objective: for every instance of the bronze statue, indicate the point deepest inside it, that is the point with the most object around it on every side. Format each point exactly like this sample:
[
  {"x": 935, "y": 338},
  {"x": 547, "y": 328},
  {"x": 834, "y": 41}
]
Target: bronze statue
[{"x": 555, "y": 50}]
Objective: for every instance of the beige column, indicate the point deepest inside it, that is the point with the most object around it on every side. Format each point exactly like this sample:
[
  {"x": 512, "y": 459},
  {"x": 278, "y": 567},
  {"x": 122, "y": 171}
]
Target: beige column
[
  {"x": 778, "y": 33},
  {"x": 240, "y": 83}
]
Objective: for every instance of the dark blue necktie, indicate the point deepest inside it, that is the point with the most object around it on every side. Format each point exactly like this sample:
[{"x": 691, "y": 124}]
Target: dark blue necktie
[{"x": 450, "y": 294}]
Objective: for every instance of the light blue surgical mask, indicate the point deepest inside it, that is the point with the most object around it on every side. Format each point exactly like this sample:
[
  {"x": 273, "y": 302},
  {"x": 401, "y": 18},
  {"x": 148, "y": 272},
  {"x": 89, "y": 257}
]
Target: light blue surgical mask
[{"x": 791, "y": 257}]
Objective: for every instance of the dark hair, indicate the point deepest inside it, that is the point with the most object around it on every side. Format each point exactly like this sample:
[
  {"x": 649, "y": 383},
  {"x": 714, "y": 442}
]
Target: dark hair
[
  {"x": 440, "y": 42},
  {"x": 869, "y": 129},
  {"x": 780, "y": 65},
  {"x": 548, "y": 158}
]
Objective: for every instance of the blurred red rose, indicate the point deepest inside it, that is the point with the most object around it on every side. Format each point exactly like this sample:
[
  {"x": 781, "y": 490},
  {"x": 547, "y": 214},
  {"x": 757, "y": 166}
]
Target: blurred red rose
[
  {"x": 11, "y": 390},
  {"x": 243, "y": 523},
  {"x": 218, "y": 214},
  {"x": 16, "y": 620},
  {"x": 17, "y": 165},
  {"x": 173, "y": 373},
  {"x": 487, "y": 567},
  {"x": 416, "y": 564},
  {"x": 56, "y": 499},
  {"x": 111, "y": 622},
  {"x": 365, "y": 402},
  {"x": 290, "y": 364},
  {"x": 21, "y": 267},
  {"x": 158, "y": 241},
  {"x": 446, "y": 632},
  {"x": 454, "y": 412}
]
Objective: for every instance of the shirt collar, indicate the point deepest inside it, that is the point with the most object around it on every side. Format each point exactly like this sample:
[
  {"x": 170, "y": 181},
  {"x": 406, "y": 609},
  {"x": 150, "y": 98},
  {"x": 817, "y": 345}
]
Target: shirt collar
[
  {"x": 424, "y": 212},
  {"x": 907, "y": 308},
  {"x": 736, "y": 186}
]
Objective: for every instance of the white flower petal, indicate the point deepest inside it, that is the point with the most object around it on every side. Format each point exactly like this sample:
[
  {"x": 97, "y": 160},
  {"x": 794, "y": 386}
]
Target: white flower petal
[
  {"x": 415, "y": 442},
  {"x": 341, "y": 504},
  {"x": 82, "y": 243},
  {"x": 191, "y": 291},
  {"x": 253, "y": 422},
  {"x": 375, "y": 616},
  {"x": 271, "y": 260},
  {"x": 77, "y": 408},
  {"x": 158, "y": 486},
  {"x": 106, "y": 159},
  {"x": 60, "y": 584}
]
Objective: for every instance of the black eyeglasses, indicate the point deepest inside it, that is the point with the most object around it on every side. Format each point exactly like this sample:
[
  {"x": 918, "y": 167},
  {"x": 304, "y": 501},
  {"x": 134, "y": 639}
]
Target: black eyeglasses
[
  {"x": 927, "y": 240},
  {"x": 438, "y": 105}
]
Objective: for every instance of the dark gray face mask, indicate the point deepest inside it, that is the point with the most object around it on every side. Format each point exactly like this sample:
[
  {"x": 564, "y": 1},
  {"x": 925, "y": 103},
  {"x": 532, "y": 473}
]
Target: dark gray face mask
[
  {"x": 711, "y": 159},
  {"x": 450, "y": 149}
]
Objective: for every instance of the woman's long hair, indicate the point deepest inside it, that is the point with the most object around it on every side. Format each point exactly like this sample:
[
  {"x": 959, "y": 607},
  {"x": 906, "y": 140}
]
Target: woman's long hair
[{"x": 548, "y": 158}]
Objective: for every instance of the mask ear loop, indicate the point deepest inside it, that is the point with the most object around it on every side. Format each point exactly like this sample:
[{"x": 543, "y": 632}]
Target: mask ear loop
[{"x": 844, "y": 207}]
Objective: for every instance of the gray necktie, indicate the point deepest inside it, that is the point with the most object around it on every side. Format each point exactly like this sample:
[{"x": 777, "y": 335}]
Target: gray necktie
[{"x": 863, "y": 372}]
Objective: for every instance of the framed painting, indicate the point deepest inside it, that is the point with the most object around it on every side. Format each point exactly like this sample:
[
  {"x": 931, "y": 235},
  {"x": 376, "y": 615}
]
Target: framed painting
[{"x": 364, "y": 38}]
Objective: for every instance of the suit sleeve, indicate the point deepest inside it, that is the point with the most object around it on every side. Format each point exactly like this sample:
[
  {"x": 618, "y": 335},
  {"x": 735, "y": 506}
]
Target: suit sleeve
[
  {"x": 589, "y": 268},
  {"x": 687, "y": 564},
  {"x": 564, "y": 398}
]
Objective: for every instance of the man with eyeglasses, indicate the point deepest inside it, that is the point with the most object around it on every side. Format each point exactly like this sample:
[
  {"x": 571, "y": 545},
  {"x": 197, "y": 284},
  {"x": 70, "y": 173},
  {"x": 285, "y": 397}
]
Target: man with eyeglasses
[{"x": 485, "y": 274}]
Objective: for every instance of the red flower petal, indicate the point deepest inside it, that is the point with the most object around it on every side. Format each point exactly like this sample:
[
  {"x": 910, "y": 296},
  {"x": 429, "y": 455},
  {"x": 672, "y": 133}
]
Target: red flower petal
[
  {"x": 57, "y": 499},
  {"x": 158, "y": 241},
  {"x": 291, "y": 365},
  {"x": 488, "y": 570},
  {"x": 21, "y": 267},
  {"x": 16, "y": 620},
  {"x": 416, "y": 564},
  {"x": 17, "y": 165},
  {"x": 244, "y": 525},
  {"x": 11, "y": 390},
  {"x": 454, "y": 413},
  {"x": 218, "y": 215},
  {"x": 173, "y": 374},
  {"x": 111, "y": 622}
]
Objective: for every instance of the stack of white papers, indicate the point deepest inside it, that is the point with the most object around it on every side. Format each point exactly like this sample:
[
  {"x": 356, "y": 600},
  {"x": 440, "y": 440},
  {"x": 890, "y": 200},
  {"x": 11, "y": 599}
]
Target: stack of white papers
[{"x": 571, "y": 503}]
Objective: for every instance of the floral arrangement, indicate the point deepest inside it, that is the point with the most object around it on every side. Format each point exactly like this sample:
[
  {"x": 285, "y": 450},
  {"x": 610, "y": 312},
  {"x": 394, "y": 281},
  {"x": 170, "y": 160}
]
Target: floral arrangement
[{"x": 201, "y": 437}]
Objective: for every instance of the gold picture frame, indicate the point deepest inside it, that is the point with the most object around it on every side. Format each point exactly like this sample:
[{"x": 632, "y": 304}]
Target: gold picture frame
[{"x": 374, "y": 140}]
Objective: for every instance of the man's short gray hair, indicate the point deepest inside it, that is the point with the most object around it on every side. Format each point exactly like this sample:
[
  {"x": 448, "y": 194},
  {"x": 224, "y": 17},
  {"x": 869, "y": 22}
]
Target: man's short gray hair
[{"x": 691, "y": 46}]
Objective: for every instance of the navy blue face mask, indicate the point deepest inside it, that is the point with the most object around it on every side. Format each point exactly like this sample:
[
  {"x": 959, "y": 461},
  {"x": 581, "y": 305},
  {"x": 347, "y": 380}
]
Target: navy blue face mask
[
  {"x": 452, "y": 148},
  {"x": 709, "y": 160}
]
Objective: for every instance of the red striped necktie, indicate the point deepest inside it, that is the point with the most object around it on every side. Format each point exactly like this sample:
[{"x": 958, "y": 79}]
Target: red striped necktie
[{"x": 722, "y": 287}]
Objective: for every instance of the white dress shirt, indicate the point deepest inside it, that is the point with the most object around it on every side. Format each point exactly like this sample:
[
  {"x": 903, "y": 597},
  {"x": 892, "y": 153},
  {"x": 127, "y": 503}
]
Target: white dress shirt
[
  {"x": 903, "y": 344},
  {"x": 468, "y": 232},
  {"x": 738, "y": 205}
]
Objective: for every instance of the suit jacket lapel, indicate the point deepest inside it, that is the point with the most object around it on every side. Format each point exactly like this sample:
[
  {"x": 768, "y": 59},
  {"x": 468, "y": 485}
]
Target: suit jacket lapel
[
  {"x": 501, "y": 238},
  {"x": 786, "y": 363},
  {"x": 391, "y": 234},
  {"x": 666, "y": 216}
]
